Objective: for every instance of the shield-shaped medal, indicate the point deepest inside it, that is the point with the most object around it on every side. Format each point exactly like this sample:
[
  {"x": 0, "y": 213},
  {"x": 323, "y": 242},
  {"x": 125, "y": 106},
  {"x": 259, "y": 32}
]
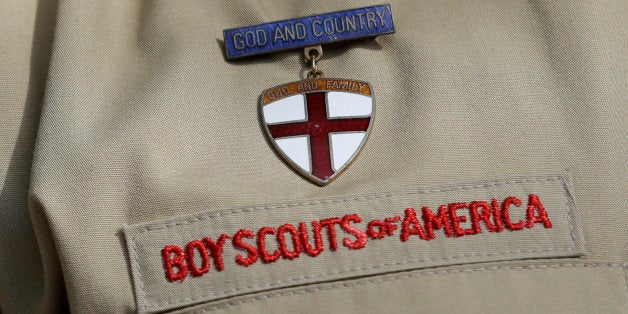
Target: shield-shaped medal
[{"x": 318, "y": 126}]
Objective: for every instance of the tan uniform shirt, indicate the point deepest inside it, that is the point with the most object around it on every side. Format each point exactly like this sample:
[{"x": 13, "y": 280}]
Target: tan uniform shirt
[{"x": 116, "y": 115}]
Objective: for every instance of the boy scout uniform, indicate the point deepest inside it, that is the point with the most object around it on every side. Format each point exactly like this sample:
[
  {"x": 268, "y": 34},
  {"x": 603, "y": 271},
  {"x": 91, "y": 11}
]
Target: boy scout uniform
[{"x": 131, "y": 148}]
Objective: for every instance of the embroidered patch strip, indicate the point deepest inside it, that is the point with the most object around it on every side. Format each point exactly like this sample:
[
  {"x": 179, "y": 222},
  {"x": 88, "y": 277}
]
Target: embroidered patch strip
[{"x": 222, "y": 253}]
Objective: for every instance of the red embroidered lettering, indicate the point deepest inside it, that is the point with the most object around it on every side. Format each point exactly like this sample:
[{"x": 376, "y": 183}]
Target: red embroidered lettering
[
  {"x": 251, "y": 251},
  {"x": 296, "y": 244},
  {"x": 475, "y": 220},
  {"x": 497, "y": 216},
  {"x": 318, "y": 241},
  {"x": 511, "y": 200},
  {"x": 198, "y": 246},
  {"x": 360, "y": 236},
  {"x": 215, "y": 250},
  {"x": 410, "y": 220},
  {"x": 381, "y": 229},
  {"x": 196, "y": 258},
  {"x": 535, "y": 203},
  {"x": 432, "y": 221},
  {"x": 170, "y": 263},
  {"x": 484, "y": 214},
  {"x": 261, "y": 245},
  {"x": 331, "y": 231},
  {"x": 456, "y": 220},
  {"x": 390, "y": 224}
]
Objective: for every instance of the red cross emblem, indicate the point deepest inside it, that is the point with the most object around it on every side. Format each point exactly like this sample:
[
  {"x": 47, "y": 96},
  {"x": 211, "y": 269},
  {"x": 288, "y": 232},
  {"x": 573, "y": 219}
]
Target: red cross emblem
[{"x": 318, "y": 126}]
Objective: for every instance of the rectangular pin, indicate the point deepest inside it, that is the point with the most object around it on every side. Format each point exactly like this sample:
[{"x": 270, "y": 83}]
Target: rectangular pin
[{"x": 307, "y": 31}]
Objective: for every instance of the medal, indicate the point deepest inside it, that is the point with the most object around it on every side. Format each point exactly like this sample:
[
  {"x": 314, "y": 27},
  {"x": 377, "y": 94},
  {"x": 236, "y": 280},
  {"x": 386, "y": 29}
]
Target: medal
[{"x": 319, "y": 125}]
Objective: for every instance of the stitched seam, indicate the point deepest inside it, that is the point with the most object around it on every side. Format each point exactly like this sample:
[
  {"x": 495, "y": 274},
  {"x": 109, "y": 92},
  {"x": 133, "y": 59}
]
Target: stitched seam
[
  {"x": 569, "y": 212},
  {"x": 141, "y": 294},
  {"x": 204, "y": 216},
  {"x": 380, "y": 280},
  {"x": 624, "y": 275},
  {"x": 325, "y": 276}
]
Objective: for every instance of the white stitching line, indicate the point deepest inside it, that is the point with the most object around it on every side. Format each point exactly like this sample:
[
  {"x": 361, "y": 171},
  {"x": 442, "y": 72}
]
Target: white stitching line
[
  {"x": 200, "y": 217},
  {"x": 572, "y": 217},
  {"x": 226, "y": 292},
  {"x": 325, "y": 276},
  {"x": 624, "y": 270},
  {"x": 141, "y": 294},
  {"x": 569, "y": 212},
  {"x": 272, "y": 295}
]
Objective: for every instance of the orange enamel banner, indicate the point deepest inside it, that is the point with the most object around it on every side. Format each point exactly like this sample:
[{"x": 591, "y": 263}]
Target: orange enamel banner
[{"x": 321, "y": 84}]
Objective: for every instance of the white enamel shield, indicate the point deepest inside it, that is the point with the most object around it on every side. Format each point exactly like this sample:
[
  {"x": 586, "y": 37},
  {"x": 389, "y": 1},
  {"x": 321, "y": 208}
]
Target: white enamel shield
[{"x": 318, "y": 126}]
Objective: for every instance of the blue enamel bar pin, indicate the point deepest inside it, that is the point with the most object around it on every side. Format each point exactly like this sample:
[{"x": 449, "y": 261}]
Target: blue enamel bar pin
[
  {"x": 318, "y": 125},
  {"x": 309, "y": 31}
]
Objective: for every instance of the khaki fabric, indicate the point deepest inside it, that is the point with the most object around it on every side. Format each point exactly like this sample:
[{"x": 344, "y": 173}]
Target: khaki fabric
[
  {"x": 142, "y": 118},
  {"x": 30, "y": 276}
]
